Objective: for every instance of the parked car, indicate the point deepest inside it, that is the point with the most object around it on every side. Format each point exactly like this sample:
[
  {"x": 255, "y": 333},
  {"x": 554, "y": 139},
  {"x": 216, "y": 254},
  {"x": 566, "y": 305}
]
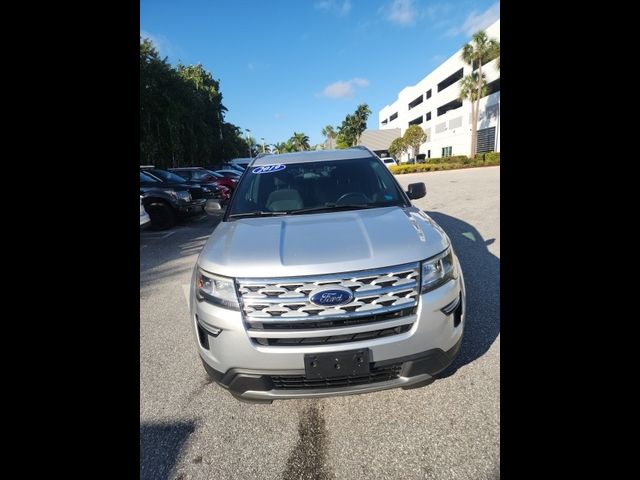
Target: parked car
[
  {"x": 323, "y": 279},
  {"x": 229, "y": 173},
  {"x": 203, "y": 176},
  {"x": 234, "y": 166},
  {"x": 166, "y": 202},
  {"x": 389, "y": 161},
  {"x": 227, "y": 166},
  {"x": 241, "y": 162},
  {"x": 145, "y": 220},
  {"x": 197, "y": 191}
]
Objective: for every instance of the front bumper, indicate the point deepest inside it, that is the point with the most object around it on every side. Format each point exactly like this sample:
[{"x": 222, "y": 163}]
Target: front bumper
[
  {"x": 413, "y": 371},
  {"x": 258, "y": 372}
]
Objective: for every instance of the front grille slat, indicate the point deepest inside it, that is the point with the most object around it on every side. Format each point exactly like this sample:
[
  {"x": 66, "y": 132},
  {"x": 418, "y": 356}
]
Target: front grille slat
[
  {"x": 300, "y": 382},
  {"x": 338, "y": 338},
  {"x": 284, "y": 304}
]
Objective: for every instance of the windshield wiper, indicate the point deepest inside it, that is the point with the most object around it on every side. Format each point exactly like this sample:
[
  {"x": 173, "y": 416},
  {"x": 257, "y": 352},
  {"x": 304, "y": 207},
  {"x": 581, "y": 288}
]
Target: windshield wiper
[
  {"x": 259, "y": 213},
  {"x": 333, "y": 206}
]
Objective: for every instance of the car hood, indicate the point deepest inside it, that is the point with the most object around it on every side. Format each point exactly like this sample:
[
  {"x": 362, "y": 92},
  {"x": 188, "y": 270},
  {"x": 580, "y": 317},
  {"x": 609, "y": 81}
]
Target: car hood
[{"x": 321, "y": 243}]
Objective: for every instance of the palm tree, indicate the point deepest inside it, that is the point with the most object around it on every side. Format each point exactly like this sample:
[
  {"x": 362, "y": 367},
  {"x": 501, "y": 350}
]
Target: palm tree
[
  {"x": 469, "y": 91},
  {"x": 279, "y": 147},
  {"x": 478, "y": 52},
  {"x": 300, "y": 141},
  {"x": 330, "y": 134},
  {"x": 361, "y": 115}
]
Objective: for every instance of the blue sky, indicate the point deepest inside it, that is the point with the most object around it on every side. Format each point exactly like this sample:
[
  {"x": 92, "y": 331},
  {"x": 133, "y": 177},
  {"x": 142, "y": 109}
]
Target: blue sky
[{"x": 298, "y": 65}]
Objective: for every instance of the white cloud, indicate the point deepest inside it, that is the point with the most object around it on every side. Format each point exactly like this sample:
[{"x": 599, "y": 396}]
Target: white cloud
[
  {"x": 360, "y": 82},
  {"x": 341, "y": 8},
  {"x": 401, "y": 12},
  {"x": 477, "y": 21},
  {"x": 342, "y": 89},
  {"x": 437, "y": 11}
]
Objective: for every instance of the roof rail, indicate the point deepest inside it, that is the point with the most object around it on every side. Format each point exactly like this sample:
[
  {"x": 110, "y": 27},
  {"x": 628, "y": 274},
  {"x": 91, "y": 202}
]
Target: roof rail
[{"x": 362, "y": 147}]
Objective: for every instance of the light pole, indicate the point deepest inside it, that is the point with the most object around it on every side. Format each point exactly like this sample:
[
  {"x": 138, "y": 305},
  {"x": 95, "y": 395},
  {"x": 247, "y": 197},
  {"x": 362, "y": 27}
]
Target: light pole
[
  {"x": 248, "y": 142},
  {"x": 262, "y": 138}
]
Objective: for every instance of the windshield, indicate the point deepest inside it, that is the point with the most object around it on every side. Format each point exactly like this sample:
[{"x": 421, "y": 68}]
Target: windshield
[
  {"x": 167, "y": 176},
  {"x": 146, "y": 178},
  {"x": 320, "y": 186}
]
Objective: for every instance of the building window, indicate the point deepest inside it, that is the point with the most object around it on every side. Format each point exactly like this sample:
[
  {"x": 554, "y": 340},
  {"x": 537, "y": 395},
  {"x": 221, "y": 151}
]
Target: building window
[
  {"x": 450, "y": 80},
  {"x": 428, "y": 153},
  {"x": 384, "y": 122},
  {"x": 441, "y": 127},
  {"x": 486, "y": 140},
  {"x": 452, "y": 105},
  {"x": 415, "y": 102},
  {"x": 428, "y": 117},
  {"x": 485, "y": 60},
  {"x": 393, "y": 117},
  {"x": 429, "y": 93},
  {"x": 416, "y": 121},
  {"x": 446, "y": 151},
  {"x": 493, "y": 87}
]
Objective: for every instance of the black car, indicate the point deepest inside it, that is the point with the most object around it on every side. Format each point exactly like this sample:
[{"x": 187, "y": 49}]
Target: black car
[
  {"x": 197, "y": 191},
  {"x": 166, "y": 202}
]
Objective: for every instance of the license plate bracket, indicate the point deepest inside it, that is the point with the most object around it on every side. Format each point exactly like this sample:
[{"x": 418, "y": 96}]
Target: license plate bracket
[{"x": 337, "y": 364}]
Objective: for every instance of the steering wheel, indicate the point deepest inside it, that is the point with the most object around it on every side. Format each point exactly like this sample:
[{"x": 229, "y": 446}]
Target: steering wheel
[{"x": 358, "y": 195}]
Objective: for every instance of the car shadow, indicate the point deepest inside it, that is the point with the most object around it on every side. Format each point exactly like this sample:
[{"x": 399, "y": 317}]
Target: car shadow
[
  {"x": 160, "y": 447},
  {"x": 481, "y": 271}
]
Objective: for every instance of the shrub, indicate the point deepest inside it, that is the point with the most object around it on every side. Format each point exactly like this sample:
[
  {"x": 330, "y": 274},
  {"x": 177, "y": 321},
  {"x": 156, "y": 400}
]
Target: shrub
[
  {"x": 452, "y": 159},
  {"x": 490, "y": 158},
  {"x": 482, "y": 160}
]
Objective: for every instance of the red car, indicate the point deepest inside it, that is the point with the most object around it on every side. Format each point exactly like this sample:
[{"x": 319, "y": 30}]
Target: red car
[{"x": 204, "y": 176}]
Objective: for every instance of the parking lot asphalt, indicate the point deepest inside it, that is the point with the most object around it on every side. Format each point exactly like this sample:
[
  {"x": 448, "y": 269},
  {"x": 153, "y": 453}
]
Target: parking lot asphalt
[{"x": 191, "y": 428}]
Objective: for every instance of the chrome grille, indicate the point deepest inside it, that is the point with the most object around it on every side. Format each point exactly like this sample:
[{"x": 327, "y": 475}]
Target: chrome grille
[
  {"x": 374, "y": 291},
  {"x": 386, "y": 295}
]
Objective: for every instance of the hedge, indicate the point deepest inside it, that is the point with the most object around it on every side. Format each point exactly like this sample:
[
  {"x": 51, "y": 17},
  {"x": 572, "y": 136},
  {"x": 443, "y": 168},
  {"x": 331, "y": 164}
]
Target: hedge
[{"x": 482, "y": 160}]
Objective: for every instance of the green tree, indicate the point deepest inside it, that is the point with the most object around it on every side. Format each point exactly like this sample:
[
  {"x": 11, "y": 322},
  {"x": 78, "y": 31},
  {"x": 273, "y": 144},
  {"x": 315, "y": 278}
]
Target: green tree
[
  {"x": 181, "y": 114},
  {"x": 330, "y": 134},
  {"x": 477, "y": 53},
  {"x": 397, "y": 148},
  {"x": 341, "y": 141},
  {"x": 280, "y": 147},
  {"x": 469, "y": 91},
  {"x": 353, "y": 125},
  {"x": 300, "y": 141},
  {"x": 413, "y": 138}
]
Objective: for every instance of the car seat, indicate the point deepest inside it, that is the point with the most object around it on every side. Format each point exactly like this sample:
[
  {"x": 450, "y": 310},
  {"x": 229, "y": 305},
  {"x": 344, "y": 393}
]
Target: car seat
[{"x": 285, "y": 199}]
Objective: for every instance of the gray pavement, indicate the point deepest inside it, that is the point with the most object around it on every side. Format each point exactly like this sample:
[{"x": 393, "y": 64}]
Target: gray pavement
[{"x": 191, "y": 428}]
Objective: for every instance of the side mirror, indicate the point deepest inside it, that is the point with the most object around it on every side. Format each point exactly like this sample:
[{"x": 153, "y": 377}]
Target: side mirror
[
  {"x": 416, "y": 190},
  {"x": 213, "y": 207}
]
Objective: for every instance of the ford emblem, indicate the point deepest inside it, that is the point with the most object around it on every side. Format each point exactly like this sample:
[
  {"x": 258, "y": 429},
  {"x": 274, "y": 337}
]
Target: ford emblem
[{"x": 334, "y": 296}]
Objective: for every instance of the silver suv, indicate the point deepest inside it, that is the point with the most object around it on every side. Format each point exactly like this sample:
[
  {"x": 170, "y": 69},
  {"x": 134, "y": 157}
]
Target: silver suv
[{"x": 322, "y": 279}]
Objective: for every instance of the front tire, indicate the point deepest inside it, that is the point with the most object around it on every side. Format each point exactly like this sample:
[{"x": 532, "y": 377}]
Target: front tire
[{"x": 162, "y": 215}]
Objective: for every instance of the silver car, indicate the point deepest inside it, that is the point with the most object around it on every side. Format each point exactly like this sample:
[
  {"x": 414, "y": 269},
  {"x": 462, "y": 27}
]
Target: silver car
[{"x": 322, "y": 279}]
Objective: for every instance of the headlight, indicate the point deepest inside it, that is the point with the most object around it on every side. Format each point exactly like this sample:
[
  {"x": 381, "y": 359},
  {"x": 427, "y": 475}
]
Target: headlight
[
  {"x": 438, "y": 270},
  {"x": 184, "y": 195},
  {"x": 216, "y": 289}
]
